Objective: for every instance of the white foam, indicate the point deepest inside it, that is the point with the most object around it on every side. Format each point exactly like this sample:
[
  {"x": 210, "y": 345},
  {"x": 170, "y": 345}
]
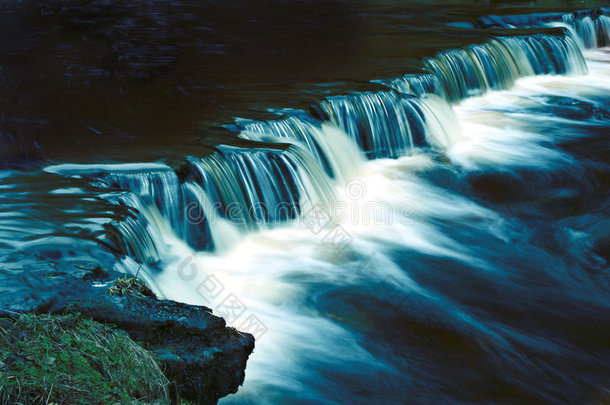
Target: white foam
[{"x": 271, "y": 272}]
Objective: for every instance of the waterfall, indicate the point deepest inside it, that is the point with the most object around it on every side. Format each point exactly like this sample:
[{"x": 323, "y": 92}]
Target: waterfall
[
  {"x": 416, "y": 84},
  {"x": 495, "y": 65},
  {"x": 603, "y": 30},
  {"x": 222, "y": 195},
  {"x": 255, "y": 188},
  {"x": 590, "y": 26},
  {"x": 209, "y": 202},
  {"x": 220, "y": 233},
  {"x": 448, "y": 182},
  {"x": 138, "y": 233},
  {"x": 384, "y": 124},
  {"x": 159, "y": 188},
  {"x": 320, "y": 139},
  {"x": 585, "y": 27}
]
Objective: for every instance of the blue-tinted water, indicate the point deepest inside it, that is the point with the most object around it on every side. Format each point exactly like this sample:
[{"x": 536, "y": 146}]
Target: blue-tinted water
[{"x": 436, "y": 238}]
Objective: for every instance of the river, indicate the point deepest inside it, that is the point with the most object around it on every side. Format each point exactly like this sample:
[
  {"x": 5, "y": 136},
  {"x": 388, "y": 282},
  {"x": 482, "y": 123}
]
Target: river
[{"x": 404, "y": 204}]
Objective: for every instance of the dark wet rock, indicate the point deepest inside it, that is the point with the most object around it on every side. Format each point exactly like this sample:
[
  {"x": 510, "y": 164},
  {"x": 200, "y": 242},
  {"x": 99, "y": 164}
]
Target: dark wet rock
[{"x": 205, "y": 358}]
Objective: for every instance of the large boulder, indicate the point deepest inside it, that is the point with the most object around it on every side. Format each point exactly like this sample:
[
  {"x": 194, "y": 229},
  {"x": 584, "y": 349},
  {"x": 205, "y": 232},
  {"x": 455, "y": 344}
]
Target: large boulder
[{"x": 203, "y": 357}]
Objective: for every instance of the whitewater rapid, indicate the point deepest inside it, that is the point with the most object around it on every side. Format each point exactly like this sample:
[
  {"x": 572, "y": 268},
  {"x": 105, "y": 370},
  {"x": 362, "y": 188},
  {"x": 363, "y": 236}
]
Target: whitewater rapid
[
  {"x": 369, "y": 243},
  {"x": 277, "y": 275}
]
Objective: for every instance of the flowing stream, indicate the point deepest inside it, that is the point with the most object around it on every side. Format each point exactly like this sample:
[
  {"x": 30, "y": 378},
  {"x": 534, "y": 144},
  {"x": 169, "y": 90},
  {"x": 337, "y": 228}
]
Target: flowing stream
[{"x": 442, "y": 238}]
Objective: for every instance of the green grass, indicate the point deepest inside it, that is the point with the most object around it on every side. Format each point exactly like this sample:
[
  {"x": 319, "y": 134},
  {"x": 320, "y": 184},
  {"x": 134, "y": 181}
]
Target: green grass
[{"x": 67, "y": 359}]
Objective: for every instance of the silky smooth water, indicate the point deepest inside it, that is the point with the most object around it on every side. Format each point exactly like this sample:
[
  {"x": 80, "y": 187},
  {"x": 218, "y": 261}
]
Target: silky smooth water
[{"x": 439, "y": 236}]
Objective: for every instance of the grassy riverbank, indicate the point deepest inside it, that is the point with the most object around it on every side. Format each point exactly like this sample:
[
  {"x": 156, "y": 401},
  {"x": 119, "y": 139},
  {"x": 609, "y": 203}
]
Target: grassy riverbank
[{"x": 68, "y": 359}]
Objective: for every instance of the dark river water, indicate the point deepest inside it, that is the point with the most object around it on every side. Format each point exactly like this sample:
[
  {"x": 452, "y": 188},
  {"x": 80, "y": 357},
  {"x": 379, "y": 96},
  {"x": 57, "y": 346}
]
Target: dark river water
[{"x": 405, "y": 202}]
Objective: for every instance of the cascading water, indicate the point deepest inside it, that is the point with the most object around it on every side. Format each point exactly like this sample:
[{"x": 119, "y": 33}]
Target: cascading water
[
  {"x": 241, "y": 185},
  {"x": 416, "y": 85},
  {"x": 585, "y": 27},
  {"x": 387, "y": 124},
  {"x": 587, "y": 24},
  {"x": 406, "y": 246},
  {"x": 383, "y": 124},
  {"x": 138, "y": 234},
  {"x": 244, "y": 189},
  {"x": 497, "y": 64},
  {"x": 160, "y": 189},
  {"x": 603, "y": 30},
  {"x": 321, "y": 140},
  {"x": 257, "y": 188},
  {"x": 153, "y": 198}
]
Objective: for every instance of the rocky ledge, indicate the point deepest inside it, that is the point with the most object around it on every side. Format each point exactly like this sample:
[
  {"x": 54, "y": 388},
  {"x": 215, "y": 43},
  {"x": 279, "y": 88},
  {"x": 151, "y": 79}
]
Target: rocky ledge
[{"x": 202, "y": 357}]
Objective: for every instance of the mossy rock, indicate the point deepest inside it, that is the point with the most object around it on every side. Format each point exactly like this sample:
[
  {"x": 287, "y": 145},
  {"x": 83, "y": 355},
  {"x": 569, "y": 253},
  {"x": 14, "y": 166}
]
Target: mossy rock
[
  {"x": 130, "y": 286},
  {"x": 66, "y": 359}
]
